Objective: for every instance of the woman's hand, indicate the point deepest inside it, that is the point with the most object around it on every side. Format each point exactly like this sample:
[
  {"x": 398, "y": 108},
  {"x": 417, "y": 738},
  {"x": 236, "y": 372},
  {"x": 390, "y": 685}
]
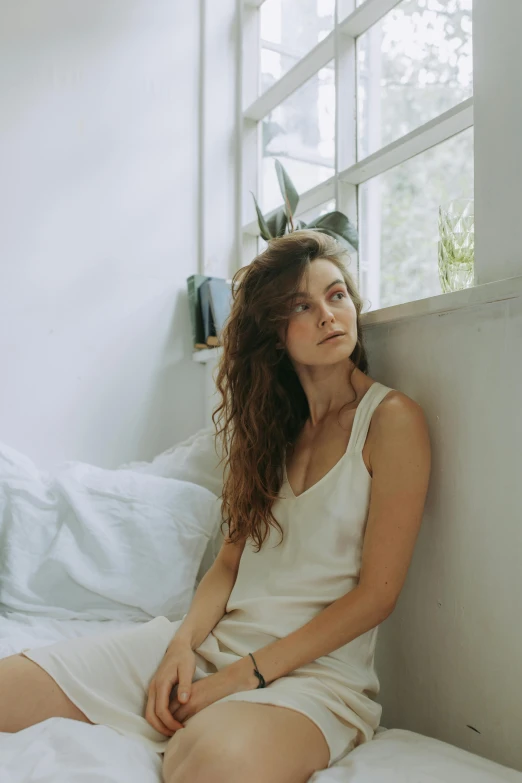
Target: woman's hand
[
  {"x": 239, "y": 676},
  {"x": 176, "y": 668}
]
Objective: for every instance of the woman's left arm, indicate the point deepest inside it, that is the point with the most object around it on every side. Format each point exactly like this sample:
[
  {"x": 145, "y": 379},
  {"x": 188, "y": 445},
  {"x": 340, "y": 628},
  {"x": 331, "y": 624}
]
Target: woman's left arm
[{"x": 401, "y": 464}]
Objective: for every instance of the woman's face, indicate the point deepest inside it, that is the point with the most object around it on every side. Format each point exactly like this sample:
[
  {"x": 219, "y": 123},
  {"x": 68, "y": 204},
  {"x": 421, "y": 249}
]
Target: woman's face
[{"x": 324, "y": 307}]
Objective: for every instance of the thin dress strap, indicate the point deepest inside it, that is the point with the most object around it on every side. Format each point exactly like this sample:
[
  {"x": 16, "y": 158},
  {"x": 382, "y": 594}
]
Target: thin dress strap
[{"x": 375, "y": 394}]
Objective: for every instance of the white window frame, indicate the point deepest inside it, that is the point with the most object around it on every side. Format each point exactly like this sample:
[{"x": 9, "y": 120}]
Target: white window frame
[{"x": 339, "y": 46}]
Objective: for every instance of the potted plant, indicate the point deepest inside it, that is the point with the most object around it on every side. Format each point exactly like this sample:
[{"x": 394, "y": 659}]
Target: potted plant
[{"x": 335, "y": 223}]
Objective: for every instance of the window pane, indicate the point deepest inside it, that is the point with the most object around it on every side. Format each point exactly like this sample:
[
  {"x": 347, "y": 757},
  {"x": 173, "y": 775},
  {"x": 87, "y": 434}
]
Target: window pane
[
  {"x": 261, "y": 244},
  {"x": 289, "y": 30},
  {"x": 411, "y": 66},
  {"x": 328, "y": 206},
  {"x": 249, "y": 249},
  {"x": 300, "y": 134},
  {"x": 399, "y": 222}
]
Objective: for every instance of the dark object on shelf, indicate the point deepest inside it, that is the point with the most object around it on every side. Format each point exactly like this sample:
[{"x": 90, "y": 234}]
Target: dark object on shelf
[
  {"x": 210, "y": 300},
  {"x": 193, "y": 284},
  {"x": 220, "y": 302},
  {"x": 206, "y": 312}
]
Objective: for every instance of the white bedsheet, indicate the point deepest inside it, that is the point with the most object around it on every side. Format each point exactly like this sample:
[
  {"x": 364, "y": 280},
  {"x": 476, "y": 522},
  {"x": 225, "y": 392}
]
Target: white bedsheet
[{"x": 59, "y": 750}]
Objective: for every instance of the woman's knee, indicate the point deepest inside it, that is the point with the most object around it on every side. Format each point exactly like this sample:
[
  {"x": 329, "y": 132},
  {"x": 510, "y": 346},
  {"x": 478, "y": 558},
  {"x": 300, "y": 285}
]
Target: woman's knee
[
  {"x": 206, "y": 758},
  {"x": 176, "y": 755}
]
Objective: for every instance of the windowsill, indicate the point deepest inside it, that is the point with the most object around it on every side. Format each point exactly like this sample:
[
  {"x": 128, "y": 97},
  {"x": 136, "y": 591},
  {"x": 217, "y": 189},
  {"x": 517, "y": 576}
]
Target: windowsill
[{"x": 496, "y": 291}]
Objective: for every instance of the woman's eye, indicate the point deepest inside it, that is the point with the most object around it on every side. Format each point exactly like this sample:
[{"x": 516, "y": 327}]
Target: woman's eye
[{"x": 304, "y": 304}]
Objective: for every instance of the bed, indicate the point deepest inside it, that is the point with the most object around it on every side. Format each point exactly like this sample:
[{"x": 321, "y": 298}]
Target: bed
[{"x": 80, "y": 553}]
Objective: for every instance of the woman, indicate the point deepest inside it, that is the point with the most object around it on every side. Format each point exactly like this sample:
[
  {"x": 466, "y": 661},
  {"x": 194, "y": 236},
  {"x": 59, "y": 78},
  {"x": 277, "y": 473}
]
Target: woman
[{"x": 325, "y": 479}]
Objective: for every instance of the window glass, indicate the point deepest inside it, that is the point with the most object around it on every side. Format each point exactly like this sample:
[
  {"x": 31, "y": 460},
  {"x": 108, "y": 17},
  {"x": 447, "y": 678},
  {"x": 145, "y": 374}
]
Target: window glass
[
  {"x": 413, "y": 65},
  {"x": 300, "y": 133},
  {"x": 328, "y": 206},
  {"x": 289, "y": 30},
  {"x": 399, "y": 222}
]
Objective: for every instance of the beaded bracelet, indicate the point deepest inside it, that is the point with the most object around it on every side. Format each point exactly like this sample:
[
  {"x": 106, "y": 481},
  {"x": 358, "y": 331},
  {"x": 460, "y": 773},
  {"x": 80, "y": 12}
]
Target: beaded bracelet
[{"x": 258, "y": 674}]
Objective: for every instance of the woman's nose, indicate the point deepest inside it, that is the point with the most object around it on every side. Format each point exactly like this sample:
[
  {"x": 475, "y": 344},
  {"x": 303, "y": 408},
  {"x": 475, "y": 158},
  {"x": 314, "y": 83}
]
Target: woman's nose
[{"x": 326, "y": 314}]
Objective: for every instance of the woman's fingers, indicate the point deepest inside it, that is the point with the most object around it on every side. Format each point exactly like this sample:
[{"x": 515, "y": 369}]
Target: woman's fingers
[
  {"x": 163, "y": 691},
  {"x": 151, "y": 716}
]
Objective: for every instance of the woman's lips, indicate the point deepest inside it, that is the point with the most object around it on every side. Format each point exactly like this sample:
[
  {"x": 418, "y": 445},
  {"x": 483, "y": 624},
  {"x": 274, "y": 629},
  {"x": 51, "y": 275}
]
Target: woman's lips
[{"x": 331, "y": 339}]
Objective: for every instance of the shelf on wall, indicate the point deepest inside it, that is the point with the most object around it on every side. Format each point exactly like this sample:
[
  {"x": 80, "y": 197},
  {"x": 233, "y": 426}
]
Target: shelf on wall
[{"x": 205, "y": 355}]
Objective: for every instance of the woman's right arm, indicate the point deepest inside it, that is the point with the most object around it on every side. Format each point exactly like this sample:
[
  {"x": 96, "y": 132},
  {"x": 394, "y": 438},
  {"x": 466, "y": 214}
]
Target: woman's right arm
[
  {"x": 206, "y": 610},
  {"x": 211, "y": 597}
]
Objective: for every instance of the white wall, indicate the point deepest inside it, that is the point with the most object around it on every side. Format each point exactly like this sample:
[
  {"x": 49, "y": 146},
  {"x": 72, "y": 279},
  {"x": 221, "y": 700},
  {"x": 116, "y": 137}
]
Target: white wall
[
  {"x": 99, "y": 221},
  {"x": 450, "y": 655},
  {"x": 220, "y": 138}
]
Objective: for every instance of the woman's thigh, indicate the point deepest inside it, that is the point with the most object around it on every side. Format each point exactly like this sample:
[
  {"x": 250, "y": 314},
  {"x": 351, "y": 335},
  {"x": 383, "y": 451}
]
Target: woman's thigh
[
  {"x": 238, "y": 741},
  {"x": 29, "y": 695}
]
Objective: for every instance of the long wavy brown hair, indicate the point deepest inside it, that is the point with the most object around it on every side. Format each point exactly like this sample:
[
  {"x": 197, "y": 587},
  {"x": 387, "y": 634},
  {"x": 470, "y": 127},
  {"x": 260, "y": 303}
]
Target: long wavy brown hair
[{"x": 263, "y": 406}]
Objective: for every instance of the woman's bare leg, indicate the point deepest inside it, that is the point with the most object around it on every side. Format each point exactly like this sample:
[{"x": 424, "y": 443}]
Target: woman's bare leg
[
  {"x": 29, "y": 695},
  {"x": 235, "y": 741}
]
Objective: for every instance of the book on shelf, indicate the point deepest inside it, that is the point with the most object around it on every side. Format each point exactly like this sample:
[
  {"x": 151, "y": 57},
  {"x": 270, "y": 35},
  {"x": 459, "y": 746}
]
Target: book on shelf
[
  {"x": 220, "y": 302},
  {"x": 196, "y": 322},
  {"x": 210, "y": 300},
  {"x": 206, "y": 312}
]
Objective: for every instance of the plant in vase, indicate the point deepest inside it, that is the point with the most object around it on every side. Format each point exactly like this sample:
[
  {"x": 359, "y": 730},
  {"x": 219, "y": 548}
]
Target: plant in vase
[{"x": 456, "y": 254}]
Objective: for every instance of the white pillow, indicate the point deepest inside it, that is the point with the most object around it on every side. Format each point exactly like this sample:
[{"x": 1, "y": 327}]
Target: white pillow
[
  {"x": 92, "y": 543},
  {"x": 402, "y": 756},
  {"x": 195, "y": 459}
]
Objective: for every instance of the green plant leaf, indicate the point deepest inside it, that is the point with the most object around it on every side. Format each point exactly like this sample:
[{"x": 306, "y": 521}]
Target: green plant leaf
[
  {"x": 263, "y": 226},
  {"x": 277, "y": 223},
  {"x": 338, "y": 225},
  {"x": 289, "y": 193}
]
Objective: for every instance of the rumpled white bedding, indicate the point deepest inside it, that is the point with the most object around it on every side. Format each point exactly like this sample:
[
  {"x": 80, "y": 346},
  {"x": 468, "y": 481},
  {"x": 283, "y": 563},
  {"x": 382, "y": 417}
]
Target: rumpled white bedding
[
  {"x": 86, "y": 550},
  {"x": 96, "y": 544},
  {"x": 67, "y": 751}
]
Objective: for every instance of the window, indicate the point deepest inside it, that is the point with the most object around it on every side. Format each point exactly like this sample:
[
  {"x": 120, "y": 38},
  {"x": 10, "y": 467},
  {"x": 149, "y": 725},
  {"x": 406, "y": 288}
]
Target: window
[
  {"x": 289, "y": 30},
  {"x": 368, "y": 106},
  {"x": 300, "y": 132},
  {"x": 399, "y": 229},
  {"x": 323, "y": 209},
  {"x": 413, "y": 65}
]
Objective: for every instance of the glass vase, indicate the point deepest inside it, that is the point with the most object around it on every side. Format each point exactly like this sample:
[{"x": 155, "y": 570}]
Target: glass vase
[{"x": 456, "y": 247}]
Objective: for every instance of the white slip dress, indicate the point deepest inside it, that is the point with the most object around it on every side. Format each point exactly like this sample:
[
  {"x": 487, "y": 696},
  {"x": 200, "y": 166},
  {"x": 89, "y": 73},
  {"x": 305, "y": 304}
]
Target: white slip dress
[{"x": 277, "y": 590}]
